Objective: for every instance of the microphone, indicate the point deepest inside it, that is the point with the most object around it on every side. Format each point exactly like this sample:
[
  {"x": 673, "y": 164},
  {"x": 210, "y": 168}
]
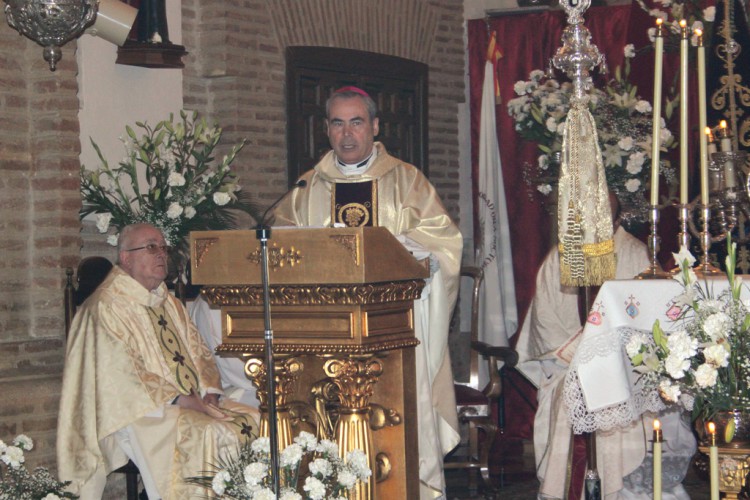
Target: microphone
[{"x": 264, "y": 220}]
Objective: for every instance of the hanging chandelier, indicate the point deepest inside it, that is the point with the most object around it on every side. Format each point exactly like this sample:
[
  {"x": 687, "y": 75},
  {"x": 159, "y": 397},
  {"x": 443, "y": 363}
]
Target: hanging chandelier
[{"x": 51, "y": 23}]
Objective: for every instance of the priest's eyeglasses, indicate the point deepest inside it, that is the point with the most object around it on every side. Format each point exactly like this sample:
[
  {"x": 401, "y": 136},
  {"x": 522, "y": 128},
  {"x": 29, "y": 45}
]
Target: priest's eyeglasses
[{"x": 152, "y": 248}]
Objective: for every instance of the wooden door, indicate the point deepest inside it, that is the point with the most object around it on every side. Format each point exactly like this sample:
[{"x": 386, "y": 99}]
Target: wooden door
[{"x": 398, "y": 86}]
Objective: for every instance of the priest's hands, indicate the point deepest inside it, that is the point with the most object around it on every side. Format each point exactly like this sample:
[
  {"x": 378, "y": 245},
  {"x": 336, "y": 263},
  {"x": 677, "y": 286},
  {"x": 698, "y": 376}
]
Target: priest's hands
[{"x": 208, "y": 405}]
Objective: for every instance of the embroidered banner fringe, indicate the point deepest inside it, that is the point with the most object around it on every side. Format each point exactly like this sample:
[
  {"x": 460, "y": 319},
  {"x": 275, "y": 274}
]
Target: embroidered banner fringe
[{"x": 585, "y": 222}]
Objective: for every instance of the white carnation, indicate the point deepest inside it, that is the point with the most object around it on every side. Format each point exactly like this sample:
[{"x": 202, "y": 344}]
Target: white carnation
[
  {"x": 219, "y": 482},
  {"x": 545, "y": 189},
  {"x": 254, "y": 473},
  {"x": 321, "y": 467},
  {"x": 717, "y": 325},
  {"x": 635, "y": 162},
  {"x": 717, "y": 355},
  {"x": 626, "y": 143},
  {"x": 357, "y": 460},
  {"x": 681, "y": 345},
  {"x": 24, "y": 442},
  {"x": 315, "y": 489},
  {"x": 327, "y": 447},
  {"x": 632, "y": 185},
  {"x": 705, "y": 375},
  {"x": 291, "y": 455},
  {"x": 629, "y": 51},
  {"x": 551, "y": 124},
  {"x": 13, "y": 457},
  {"x": 536, "y": 75},
  {"x": 668, "y": 391},
  {"x": 221, "y": 198},
  {"x": 102, "y": 222},
  {"x": 189, "y": 212},
  {"x": 174, "y": 210},
  {"x": 676, "y": 366},
  {"x": 176, "y": 179},
  {"x": 264, "y": 494},
  {"x": 261, "y": 445},
  {"x": 307, "y": 440},
  {"x": 347, "y": 479},
  {"x": 636, "y": 341},
  {"x": 643, "y": 106},
  {"x": 520, "y": 87}
]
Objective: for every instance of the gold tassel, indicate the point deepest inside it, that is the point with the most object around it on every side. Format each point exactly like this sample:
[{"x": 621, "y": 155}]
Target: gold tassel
[{"x": 586, "y": 246}]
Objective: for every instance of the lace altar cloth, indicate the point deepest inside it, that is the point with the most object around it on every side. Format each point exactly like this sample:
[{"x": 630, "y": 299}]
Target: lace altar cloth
[{"x": 600, "y": 388}]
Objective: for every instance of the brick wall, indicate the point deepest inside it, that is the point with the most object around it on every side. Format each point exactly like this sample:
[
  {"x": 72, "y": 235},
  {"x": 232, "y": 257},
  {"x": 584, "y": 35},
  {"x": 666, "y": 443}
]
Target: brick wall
[
  {"x": 39, "y": 202},
  {"x": 234, "y": 75}
]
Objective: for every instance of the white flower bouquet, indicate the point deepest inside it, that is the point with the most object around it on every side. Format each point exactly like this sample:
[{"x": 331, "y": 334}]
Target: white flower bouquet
[
  {"x": 704, "y": 365},
  {"x": 17, "y": 483},
  {"x": 624, "y": 125},
  {"x": 248, "y": 475},
  {"x": 168, "y": 178}
]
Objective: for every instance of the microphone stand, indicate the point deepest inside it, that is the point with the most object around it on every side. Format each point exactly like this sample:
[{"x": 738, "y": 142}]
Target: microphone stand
[{"x": 263, "y": 233}]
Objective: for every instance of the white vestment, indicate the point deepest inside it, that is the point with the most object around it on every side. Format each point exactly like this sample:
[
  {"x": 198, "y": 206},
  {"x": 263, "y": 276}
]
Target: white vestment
[{"x": 546, "y": 344}]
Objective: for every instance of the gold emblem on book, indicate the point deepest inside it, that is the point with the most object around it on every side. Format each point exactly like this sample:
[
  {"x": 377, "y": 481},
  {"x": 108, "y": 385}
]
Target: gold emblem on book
[{"x": 354, "y": 214}]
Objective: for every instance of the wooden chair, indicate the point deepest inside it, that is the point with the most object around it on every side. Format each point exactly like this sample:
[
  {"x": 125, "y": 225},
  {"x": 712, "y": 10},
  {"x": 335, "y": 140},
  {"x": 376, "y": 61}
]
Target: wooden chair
[
  {"x": 474, "y": 404},
  {"x": 89, "y": 275}
]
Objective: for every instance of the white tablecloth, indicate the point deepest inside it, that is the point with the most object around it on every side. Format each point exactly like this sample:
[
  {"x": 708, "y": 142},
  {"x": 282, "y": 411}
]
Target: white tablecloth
[{"x": 601, "y": 392}]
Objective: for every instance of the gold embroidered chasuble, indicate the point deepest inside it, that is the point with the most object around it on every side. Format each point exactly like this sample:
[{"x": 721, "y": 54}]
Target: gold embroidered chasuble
[
  {"x": 122, "y": 372},
  {"x": 407, "y": 205}
]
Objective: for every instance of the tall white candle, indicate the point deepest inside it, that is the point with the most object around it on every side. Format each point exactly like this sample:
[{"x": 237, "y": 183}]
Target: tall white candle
[
  {"x": 657, "y": 459},
  {"x": 683, "y": 112},
  {"x": 656, "y": 133},
  {"x": 702, "y": 115},
  {"x": 730, "y": 179},
  {"x": 713, "y": 460}
]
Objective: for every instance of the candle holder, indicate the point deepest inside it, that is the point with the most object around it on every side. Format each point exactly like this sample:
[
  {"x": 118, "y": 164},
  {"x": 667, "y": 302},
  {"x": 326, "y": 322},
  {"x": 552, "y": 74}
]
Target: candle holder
[
  {"x": 705, "y": 268},
  {"x": 653, "y": 271}
]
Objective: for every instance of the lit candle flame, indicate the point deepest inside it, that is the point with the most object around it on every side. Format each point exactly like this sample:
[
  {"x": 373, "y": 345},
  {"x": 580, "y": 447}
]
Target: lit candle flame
[
  {"x": 683, "y": 23},
  {"x": 657, "y": 424},
  {"x": 659, "y": 21},
  {"x": 723, "y": 124},
  {"x": 711, "y": 428}
]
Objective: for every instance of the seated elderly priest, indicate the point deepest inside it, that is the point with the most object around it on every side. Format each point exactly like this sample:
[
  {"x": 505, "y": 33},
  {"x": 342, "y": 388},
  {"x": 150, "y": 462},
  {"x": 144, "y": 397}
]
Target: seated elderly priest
[{"x": 140, "y": 383}]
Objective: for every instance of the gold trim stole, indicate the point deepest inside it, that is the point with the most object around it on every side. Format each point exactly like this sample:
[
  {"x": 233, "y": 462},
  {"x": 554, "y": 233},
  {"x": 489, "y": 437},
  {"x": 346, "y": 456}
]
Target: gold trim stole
[
  {"x": 176, "y": 356},
  {"x": 355, "y": 204}
]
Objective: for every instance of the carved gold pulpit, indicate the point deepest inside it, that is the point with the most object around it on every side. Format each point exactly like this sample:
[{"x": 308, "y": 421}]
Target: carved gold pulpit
[{"x": 343, "y": 322}]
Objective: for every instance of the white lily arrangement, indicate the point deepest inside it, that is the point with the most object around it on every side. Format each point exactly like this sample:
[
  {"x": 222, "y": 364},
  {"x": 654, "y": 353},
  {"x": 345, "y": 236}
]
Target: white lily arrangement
[
  {"x": 704, "y": 365},
  {"x": 17, "y": 483},
  {"x": 168, "y": 178},
  {"x": 248, "y": 475}
]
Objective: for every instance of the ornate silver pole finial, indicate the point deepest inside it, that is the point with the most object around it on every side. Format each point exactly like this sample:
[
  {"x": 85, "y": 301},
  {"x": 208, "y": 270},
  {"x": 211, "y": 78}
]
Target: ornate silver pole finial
[{"x": 577, "y": 56}]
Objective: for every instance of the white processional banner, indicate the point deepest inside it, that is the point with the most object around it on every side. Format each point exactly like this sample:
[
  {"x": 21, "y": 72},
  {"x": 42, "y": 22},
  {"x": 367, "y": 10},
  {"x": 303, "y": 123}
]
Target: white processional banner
[{"x": 498, "y": 314}]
